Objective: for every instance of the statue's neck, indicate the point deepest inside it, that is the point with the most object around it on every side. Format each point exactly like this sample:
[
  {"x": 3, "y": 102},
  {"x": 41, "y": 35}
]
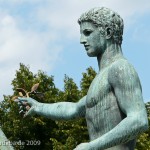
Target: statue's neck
[{"x": 111, "y": 54}]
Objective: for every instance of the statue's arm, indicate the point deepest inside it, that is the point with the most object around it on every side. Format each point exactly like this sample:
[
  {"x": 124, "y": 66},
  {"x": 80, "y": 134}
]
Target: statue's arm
[
  {"x": 56, "y": 111},
  {"x": 127, "y": 89}
]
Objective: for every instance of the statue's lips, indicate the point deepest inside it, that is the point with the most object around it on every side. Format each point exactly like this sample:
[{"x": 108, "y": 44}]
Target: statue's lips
[{"x": 86, "y": 47}]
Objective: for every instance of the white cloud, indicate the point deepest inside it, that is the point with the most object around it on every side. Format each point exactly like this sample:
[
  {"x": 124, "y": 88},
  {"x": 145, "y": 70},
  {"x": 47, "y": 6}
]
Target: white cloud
[
  {"x": 63, "y": 16},
  {"x": 17, "y": 45},
  {"x": 41, "y": 49},
  {"x": 28, "y": 47}
]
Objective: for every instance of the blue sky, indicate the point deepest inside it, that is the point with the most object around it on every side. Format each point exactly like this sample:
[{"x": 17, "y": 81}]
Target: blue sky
[{"x": 44, "y": 34}]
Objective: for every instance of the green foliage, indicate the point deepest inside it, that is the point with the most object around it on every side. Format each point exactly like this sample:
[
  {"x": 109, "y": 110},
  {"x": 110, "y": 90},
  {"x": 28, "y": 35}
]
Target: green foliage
[
  {"x": 68, "y": 130},
  {"x": 52, "y": 134},
  {"x": 86, "y": 80},
  {"x": 56, "y": 135},
  {"x": 32, "y": 128},
  {"x": 143, "y": 141}
]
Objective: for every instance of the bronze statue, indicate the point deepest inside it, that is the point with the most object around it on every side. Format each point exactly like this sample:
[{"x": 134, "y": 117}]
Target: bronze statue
[{"x": 113, "y": 107}]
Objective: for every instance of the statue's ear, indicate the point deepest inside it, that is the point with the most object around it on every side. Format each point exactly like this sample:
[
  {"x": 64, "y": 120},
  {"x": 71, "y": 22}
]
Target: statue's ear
[{"x": 108, "y": 32}]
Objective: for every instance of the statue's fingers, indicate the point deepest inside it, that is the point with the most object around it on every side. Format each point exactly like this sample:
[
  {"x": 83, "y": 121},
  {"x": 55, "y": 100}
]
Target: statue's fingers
[
  {"x": 25, "y": 103},
  {"x": 29, "y": 112},
  {"x": 19, "y": 104},
  {"x": 28, "y": 107},
  {"x": 21, "y": 107},
  {"x": 16, "y": 100},
  {"x": 25, "y": 100},
  {"x": 22, "y": 100},
  {"x": 21, "y": 111},
  {"x": 22, "y": 104}
]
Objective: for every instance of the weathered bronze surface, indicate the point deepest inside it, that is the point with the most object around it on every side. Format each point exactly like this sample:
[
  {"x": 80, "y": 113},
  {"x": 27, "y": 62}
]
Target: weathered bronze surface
[{"x": 113, "y": 107}]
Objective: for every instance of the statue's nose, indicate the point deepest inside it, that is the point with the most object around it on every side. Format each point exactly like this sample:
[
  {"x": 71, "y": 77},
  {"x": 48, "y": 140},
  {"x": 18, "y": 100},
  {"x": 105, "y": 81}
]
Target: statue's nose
[{"x": 82, "y": 39}]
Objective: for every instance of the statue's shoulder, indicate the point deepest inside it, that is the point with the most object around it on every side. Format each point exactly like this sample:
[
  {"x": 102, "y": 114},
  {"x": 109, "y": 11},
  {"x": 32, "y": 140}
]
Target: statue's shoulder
[
  {"x": 121, "y": 69},
  {"x": 121, "y": 64}
]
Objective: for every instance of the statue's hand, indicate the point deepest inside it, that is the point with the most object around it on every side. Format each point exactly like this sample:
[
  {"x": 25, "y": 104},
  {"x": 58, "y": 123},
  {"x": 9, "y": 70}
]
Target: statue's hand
[
  {"x": 27, "y": 106},
  {"x": 83, "y": 146}
]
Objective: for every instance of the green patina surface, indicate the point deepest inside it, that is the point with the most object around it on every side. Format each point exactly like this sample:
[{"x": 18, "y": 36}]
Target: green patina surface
[
  {"x": 113, "y": 107},
  {"x": 4, "y": 141}
]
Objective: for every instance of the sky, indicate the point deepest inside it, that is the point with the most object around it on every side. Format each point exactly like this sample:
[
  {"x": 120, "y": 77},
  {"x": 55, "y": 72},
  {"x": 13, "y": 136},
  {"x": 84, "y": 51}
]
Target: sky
[{"x": 45, "y": 35}]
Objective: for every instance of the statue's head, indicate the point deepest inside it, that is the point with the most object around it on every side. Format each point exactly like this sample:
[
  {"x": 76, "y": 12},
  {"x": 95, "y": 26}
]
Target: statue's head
[{"x": 107, "y": 21}]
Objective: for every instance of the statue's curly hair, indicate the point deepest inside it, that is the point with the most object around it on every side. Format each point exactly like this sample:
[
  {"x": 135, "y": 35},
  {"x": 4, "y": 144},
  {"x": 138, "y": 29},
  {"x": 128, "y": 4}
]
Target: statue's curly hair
[{"x": 105, "y": 19}]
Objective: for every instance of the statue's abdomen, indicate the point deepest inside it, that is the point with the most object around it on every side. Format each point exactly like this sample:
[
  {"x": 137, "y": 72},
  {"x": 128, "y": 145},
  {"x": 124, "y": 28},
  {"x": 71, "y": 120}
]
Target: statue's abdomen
[{"x": 103, "y": 116}]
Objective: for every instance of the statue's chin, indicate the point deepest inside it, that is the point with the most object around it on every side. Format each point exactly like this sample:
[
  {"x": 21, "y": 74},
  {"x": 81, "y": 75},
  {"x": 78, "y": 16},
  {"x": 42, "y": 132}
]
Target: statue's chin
[{"x": 91, "y": 54}]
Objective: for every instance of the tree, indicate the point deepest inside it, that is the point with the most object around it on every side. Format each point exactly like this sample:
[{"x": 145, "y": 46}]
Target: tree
[
  {"x": 52, "y": 134},
  {"x": 43, "y": 133},
  {"x": 69, "y": 130},
  {"x": 143, "y": 141},
  {"x": 86, "y": 80},
  {"x": 36, "y": 129}
]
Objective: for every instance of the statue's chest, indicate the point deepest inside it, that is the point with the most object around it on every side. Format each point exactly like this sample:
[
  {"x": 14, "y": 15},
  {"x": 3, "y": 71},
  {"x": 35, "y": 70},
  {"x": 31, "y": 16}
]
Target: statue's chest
[{"x": 99, "y": 89}]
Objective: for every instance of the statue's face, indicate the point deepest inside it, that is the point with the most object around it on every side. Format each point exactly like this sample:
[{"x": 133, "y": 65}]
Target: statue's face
[{"x": 92, "y": 39}]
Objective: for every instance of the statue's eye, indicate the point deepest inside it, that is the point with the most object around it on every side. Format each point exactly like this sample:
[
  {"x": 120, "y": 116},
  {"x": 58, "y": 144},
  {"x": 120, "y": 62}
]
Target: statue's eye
[{"x": 87, "y": 32}]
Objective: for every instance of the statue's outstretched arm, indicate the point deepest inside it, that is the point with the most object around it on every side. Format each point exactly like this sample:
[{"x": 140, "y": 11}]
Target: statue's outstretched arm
[{"x": 54, "y": 111}]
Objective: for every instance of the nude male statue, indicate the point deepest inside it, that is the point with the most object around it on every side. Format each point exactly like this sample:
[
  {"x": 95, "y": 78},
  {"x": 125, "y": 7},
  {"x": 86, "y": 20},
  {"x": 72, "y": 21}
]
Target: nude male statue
[{"x": 113, "y": 107}]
